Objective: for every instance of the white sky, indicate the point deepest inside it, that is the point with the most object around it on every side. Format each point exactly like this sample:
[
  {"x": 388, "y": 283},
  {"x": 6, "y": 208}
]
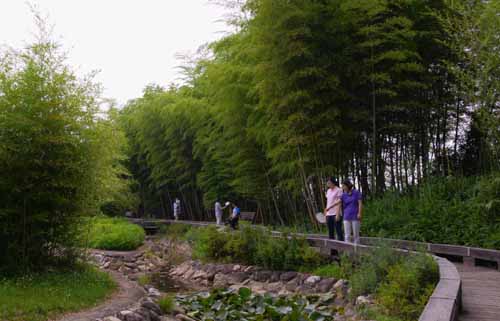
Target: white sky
[{"x": 132, "y": 42}]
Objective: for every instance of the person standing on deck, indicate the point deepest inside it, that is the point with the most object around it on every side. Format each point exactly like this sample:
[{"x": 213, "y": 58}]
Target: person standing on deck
[
  {"x": 218, "y": 212},
  {"x": 353, "y": 208},
  {"x": 177, "y": 209},
  {"x": 333, "y": 209},
  {"x": 235, "y": 216}
]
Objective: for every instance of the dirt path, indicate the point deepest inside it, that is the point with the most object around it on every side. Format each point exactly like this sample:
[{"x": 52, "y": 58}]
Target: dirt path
[{"x": 128, "y": 293}]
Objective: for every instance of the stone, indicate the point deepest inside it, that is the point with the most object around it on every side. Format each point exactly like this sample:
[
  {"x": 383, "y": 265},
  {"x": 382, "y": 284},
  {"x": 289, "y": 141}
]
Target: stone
[
  {"x": 340, "y": 284},
  {"x": 325, "y": 285},
  {"x": 287, "y": 276},
  {"x": 303, "y": 288},
  {"x": 293, "y": 284},
  {"x": 249, "y": 269},
  {"x": 220, "y": 281},
  {"x": 106, "y": 265},
  {"x": 275, "y": 287},
  {"x": 181, "y": 269},
  {"x": 129, "y": 316},
  {"x": 151, "y": 306},
  {"x": 189, "y": 273},
  {"x": 111, "y": 319},
  {"x": 349, "y": 312},
  {"x": 199, "y": 275},
  {"x": 178, "y": 310},
  {"x": 275, "y": 277},
  {"x": 261, "y": 276},
  {"x": 237, "y": 267},
  {"x": 238, "y": 277},
  {"x": 155, "y": 316},
  {"x": 362, "y": 300},
  {"x": 144, "y": 313},
  {"x": 154, "y": 292},
  {"x": 312, "y": 280}
]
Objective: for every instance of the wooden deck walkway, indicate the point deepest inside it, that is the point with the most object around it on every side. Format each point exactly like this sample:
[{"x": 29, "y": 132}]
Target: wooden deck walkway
[{"x": 480, "y": 293}]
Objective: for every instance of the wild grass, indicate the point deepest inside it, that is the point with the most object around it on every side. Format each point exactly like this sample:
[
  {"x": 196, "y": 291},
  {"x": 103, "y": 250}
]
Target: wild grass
[
  {"x": 43, "y": 296},
  {"x": 114, "y": 234}
]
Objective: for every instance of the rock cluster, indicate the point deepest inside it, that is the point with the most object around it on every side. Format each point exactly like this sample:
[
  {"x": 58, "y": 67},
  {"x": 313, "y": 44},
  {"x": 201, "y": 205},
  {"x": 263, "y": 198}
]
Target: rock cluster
[
  {"x": 259, "y": 280},
  {"x": 135, "y": 263},
  {"x": 145, "y": 310},
  {"x": 153, "y": 258}
]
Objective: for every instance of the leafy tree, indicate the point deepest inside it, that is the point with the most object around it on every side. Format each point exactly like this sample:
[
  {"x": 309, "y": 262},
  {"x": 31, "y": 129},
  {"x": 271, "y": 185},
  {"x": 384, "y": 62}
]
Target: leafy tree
[{"x": 47, "y": 141}]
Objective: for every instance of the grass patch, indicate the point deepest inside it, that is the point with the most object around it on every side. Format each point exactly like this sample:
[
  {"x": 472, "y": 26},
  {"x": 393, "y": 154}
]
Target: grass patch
[
  {"x": 144, "y": 279},
  {"x": 43, "y": 296},
  {"x": 167, "y": 304},
  {"x": 114, "y": 234},
  {"x": 176, "y": 231}
]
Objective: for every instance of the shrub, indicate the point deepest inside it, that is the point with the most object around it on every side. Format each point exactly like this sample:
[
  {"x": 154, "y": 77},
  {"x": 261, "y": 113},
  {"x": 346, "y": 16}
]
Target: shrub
[
  {"x": 408, "y": 286},
  {"x": 372, "y": 269},
  {"x": 463, "y": 211},
  {"x": 167, "y": 304},
  {"x": 114, "y": 234},
  {"x": 48, "y": 155},
  {"x": 175, "y": 231},
  {"x": 254, "y": 245}
]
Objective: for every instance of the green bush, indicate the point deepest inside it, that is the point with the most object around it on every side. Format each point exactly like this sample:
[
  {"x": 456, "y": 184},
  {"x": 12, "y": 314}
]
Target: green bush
[
  {"x": 175, "y": 231},
  {"x": 372, "y": 269},
  {"x": 254, "y": 245},
  {"x": 408, "y": 286},
  {"x": 463, "y": 211},
  {"x": 114, "y": 234}
]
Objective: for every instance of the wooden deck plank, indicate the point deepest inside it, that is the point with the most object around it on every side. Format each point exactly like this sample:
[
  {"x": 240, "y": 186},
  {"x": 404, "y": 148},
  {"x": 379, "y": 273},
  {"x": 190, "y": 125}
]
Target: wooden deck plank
[{"x": 480, "y": 293}]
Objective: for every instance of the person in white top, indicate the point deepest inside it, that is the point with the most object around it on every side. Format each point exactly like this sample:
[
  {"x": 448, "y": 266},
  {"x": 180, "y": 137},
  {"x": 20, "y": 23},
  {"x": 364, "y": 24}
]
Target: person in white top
[
  {"x": 177, "y": 208},
  {"x": 333, "y": 211},
  {"x": 218, "y": 212}
]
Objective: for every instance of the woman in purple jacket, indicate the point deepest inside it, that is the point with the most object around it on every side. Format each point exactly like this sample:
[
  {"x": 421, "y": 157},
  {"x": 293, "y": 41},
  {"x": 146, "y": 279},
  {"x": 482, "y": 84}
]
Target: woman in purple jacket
[{"x": 353, "y": 207}]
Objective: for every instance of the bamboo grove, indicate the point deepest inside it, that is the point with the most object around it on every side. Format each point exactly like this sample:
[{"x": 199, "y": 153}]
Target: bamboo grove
[{"x": 386, "y": 93}]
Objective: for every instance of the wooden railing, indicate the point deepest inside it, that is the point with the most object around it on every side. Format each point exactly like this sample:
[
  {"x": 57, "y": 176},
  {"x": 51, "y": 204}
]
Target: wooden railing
[{"x": 444, "y": 303}]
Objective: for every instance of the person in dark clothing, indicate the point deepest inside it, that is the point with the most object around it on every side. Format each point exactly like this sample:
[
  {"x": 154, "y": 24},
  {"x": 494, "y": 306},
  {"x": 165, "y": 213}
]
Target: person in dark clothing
[
  {"x": 333, "y": 212},
  {"x": 235, "y": 217}
]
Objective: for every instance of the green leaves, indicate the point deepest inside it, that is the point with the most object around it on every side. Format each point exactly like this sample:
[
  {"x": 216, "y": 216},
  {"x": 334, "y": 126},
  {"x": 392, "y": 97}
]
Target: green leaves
[
  {"x": 50, "y": 144},
  {"x": 242, "y": 304}
]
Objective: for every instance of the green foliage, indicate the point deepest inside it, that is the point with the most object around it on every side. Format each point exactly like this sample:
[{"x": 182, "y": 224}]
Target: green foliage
[
  {"x": 255, "y": 245},
  {"x": 462, "y": 211},
  {"x": 60, "y": 159},
  {"x": 113, "y": 234},
  {"x": 408, "y": 286},
  {"x": 41, "y": 297},
  {"x": 144, "y": 279},
  {"x": 375, "y": 89},
  {"x": 243, "y": 304},
  {"x": 167, "y": 304},
  {"x": 401, "y": 284},
  {"x": 176, "y": 231},
  {"x": 47, "y": 141},
  {"x": 335, "y": 270},
  {"x": 372, "y": 269}
]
